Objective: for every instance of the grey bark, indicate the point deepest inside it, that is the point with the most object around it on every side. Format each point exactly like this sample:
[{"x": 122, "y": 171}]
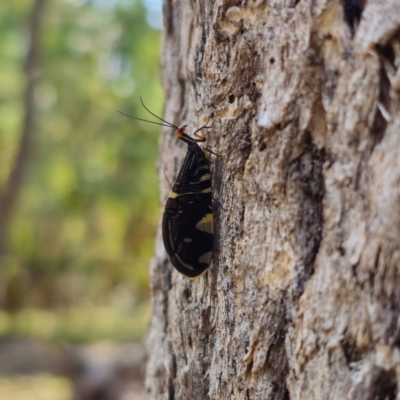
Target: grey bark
[{"x": 302, "y": 299}]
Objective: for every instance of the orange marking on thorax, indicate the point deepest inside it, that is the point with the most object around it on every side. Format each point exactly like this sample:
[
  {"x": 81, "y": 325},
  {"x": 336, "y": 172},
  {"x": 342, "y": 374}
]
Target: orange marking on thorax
[{"x": 180, "y": 131}]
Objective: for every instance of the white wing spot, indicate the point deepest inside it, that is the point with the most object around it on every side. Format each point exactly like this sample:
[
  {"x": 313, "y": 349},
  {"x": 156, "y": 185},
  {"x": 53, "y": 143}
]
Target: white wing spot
[
  {"x": 205, "y": 258},
  {"x": 183, "y": 263},
  {"x": 206, "y": 224},
  {"x": 173, "y": 195},
  {"x": 170, "y": 235},
  {"x": 205, "y": 177}
]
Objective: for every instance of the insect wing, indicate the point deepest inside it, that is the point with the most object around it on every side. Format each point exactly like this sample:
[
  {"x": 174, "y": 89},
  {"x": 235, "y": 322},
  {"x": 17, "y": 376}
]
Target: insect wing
[{"x": 188, "y": 223}]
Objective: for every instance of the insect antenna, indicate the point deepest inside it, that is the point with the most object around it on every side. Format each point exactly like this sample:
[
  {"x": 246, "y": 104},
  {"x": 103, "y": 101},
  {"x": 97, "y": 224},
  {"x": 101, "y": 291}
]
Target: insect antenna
[
  {"x": 145, "y": 120},
  {"x": 165, "y": 124},
  {"x": 154, "y": 115}
]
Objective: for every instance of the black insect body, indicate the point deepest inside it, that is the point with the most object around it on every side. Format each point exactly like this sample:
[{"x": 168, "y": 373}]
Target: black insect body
[{"x": 188, "y": 220}]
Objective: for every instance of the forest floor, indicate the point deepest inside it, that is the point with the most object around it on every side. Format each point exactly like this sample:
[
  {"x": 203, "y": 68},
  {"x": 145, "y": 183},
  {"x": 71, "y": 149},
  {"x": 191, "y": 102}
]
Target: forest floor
[{"x": 32, "y": 369}]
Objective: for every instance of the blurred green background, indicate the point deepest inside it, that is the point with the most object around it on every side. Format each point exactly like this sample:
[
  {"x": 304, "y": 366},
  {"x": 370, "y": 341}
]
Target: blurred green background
[{"x": 80, "y": 231}]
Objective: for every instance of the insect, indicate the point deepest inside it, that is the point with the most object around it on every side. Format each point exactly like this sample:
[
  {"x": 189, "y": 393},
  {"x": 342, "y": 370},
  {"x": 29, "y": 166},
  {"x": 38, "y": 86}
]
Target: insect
[{"x": 188, "y": 219}]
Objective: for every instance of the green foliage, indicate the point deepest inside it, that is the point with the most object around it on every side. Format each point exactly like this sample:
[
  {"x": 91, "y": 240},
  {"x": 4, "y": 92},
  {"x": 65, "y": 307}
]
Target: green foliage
[{"x": 82, "y": 232}]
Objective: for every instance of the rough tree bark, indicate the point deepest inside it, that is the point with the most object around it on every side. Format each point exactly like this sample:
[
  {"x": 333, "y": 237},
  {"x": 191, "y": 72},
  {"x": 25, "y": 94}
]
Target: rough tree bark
[{"x": 302, "y": 300}]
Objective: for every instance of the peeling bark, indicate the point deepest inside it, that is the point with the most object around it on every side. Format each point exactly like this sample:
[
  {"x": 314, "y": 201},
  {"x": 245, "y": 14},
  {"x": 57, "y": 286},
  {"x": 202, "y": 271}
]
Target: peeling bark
[{"x": 302, "y": 300}]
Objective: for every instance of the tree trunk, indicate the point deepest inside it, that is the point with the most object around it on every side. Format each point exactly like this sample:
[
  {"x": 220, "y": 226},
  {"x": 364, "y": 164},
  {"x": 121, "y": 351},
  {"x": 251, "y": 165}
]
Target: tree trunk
[
  {"x": 9, "y": 194},
  {"x": 302, "y": 299}
]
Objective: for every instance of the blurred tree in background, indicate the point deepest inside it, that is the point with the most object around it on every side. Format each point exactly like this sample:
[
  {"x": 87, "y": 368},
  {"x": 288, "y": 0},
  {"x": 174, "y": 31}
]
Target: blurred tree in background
[{"x": 74, "y": 265}]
